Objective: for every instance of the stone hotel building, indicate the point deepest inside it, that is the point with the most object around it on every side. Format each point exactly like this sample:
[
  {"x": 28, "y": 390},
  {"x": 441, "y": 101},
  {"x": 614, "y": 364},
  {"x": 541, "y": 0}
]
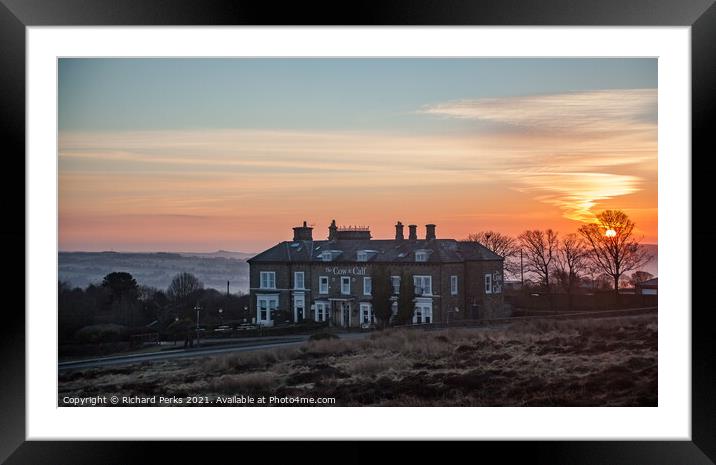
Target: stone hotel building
[{"x": 331, "y": 280}]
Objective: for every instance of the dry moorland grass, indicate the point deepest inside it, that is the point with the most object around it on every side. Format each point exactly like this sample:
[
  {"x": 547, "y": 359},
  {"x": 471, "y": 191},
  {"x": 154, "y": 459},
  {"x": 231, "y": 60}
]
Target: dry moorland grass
[{"x": 602, "y": 362}]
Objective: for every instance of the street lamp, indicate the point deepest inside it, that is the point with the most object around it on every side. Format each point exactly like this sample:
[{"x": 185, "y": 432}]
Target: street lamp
[
  {"x": 221, "y": 317},
  {"x": 197, "y": 308}
]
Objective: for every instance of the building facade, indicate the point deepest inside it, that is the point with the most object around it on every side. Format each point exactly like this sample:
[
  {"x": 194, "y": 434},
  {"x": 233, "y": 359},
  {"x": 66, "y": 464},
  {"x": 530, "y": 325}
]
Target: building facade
[{"x": 332, "y": 280}]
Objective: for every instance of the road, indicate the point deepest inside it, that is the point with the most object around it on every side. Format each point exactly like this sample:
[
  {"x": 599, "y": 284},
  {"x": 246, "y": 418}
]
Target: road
[{"x": 244, "y": 346}]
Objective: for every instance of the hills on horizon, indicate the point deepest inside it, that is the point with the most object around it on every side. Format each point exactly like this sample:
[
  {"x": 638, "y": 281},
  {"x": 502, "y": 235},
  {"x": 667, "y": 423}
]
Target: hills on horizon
[
  {"x": 157, "y": 269},
  {"x": 218, "y": 253}
]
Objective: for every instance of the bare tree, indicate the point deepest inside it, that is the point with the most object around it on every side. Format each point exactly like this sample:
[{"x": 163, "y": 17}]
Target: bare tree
[
  {"x": 571, "y": 264},
  {"x": 540, "y": 250},
  {"x": 183, "y": 285},
  {"x": 613, "y": 249},
  {"x": 501, "y": 244}
]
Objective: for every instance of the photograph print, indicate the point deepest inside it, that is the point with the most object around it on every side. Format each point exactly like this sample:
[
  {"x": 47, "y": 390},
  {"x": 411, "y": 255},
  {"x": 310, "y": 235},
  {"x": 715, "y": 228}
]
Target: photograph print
[{"x": 318, "y": 232}]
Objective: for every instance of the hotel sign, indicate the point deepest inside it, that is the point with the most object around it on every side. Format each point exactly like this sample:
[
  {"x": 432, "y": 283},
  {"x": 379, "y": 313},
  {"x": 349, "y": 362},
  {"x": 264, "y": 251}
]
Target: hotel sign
[{"x": 355, "y": 270}]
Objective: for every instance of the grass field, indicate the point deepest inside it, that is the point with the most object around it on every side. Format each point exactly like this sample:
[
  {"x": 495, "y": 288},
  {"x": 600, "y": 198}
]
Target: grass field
[{"x": 595, "y": 362}]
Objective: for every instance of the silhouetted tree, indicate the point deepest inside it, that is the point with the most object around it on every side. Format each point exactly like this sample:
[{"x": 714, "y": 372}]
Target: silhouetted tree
[
  {"x": 503, "y": 245},
  {"x": 570, "y": 264},
  {"x": 540, "y": 249},
  {"x": 124, "y": 292},
  {"x": 613, "y": 249},
  {"x": 122, "y": 285},
  {"x": 182, "y": 287}
]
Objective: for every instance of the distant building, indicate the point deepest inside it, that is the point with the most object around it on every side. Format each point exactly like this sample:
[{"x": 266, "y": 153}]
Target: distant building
[
  {"x": 331, "y": 280},
  {"x": 648, "y": 287}
]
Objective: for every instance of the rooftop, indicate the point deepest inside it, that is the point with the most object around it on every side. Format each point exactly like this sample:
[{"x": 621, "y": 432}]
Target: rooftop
[{"x": 379, "y": 250}]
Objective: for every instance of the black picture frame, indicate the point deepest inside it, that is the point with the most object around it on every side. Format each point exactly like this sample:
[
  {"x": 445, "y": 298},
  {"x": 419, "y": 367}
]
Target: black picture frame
[{"x": 16, "y": 15}]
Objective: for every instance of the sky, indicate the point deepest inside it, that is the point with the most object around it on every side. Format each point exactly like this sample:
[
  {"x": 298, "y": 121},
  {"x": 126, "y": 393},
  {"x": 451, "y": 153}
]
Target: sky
[{"x": 207, "y": 154}]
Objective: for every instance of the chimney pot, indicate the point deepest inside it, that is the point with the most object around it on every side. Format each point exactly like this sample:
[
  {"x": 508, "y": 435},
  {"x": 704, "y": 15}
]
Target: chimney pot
[
  {"x": 332, "y": 231},
  {"x": 429, "y": 231},
  {"x": 399, "y": 231},
  {"x": 413, "y": 232}
]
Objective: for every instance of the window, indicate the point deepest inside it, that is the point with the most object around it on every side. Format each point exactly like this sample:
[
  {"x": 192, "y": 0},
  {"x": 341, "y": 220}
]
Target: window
[
  {"x": 366, "y": 314},
  {"x": 266, "y": 305},
  {"x": 423, "y": 285},
  {"x": 421, "y": 256},
  {"x": 298, "y": 280},
  {"x": 326, "y": 256},
  {"x": 395, "y": 281},
  {"x": 362, "y": 256},
  {"x": 345, "y": 285},
  {"x": 268, "y": 280},
  {"x": 453, "y": 285},
  {"x": 488, "y": 284},
  {"x": 367, "y": 286},
  {"x": 423, "y": 313},
  {"x": 321, "y": 311},
  {"x": 323, "y": 285}
]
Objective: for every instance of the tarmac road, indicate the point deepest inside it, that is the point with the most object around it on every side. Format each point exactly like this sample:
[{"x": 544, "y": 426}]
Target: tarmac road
[{"x": 245, "y": 346}]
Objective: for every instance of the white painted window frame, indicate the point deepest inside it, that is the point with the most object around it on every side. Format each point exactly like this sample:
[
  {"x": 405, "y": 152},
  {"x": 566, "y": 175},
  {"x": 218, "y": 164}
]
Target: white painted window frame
[
  {"x": 321, "y": 313},
  {"x": 395, "y": 284},
  {"x": 367, "y": 285},
  {"x": 264, "y": 280},
  {"x": 453, "y": 285},
  {"x": 425, "y": 308},
  {"x": 269, "y": 299},
  {"x": 345, "y": 279},
  {"x": 320, "y": 284},
  {"x": 488, "y": 283},
  {"x": 421, "y": 279},
  {"x": 296, "y": 274},
  {"x": 363, "y": 306}
]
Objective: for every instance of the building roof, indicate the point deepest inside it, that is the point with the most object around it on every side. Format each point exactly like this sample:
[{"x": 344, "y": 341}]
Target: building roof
[
  {"x": 379, "y": 250},
  {"x": 652, "y": 283}
]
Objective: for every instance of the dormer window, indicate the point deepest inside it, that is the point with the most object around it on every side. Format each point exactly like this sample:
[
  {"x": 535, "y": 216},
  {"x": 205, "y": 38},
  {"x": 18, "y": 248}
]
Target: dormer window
[
  {"x": 362, "y": 256},
  {"x": 421, "y": 256},
  {"x": 329, "y": 255}
]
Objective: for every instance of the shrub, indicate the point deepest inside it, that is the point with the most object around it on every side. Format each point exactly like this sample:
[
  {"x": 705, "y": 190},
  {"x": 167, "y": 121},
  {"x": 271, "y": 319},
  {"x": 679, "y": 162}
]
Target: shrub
[
  {"x": 102, "y": 333},
  {"x": 323, "y": 336}
]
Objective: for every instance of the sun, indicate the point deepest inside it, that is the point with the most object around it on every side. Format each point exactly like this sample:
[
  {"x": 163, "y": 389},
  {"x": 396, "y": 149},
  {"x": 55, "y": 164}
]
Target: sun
[{"x": 610, "y": 233}]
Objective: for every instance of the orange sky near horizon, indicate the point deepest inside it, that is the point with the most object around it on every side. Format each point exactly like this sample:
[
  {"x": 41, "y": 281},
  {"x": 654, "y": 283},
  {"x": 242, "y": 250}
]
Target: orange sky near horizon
[{"x": 243, "y": 190}]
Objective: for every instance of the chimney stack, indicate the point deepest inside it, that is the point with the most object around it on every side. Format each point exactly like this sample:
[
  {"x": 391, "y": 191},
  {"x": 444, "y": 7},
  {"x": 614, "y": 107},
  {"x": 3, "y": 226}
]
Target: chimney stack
[
  {"x": 303, "y": 233},
  {"x": 332, "y": 231},
  {"x": 429, "y": 231},
  {"x": 413, "y": 234},
  {"x": 399, "y": 231}
]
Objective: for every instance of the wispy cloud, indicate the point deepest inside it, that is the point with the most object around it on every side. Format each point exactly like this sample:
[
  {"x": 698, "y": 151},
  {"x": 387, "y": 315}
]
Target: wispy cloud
[
  {"x": 582, "y": 112},
  {"x": 579, "y": 141}
]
